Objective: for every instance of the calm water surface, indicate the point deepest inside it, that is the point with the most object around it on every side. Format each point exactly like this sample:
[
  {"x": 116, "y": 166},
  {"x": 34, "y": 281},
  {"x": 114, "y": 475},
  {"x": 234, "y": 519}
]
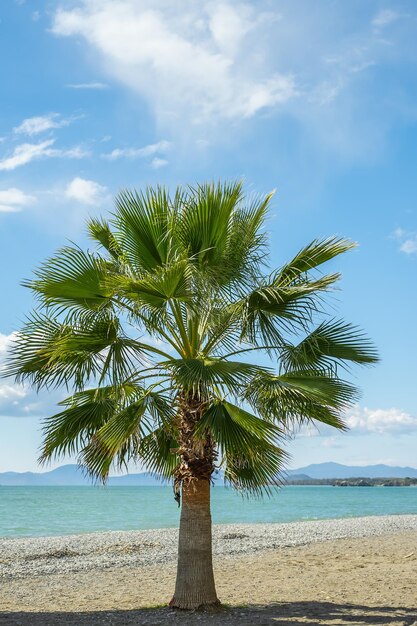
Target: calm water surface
[{"x": 36, "y": 511}]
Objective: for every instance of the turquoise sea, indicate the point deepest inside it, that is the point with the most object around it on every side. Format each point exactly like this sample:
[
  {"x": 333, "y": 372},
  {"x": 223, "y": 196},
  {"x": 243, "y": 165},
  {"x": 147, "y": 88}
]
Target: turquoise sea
[{"x": 37, "y": 511}]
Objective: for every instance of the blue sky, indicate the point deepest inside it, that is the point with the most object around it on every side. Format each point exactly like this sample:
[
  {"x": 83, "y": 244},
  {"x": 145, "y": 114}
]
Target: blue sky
[{"x": 316, "y": 100}]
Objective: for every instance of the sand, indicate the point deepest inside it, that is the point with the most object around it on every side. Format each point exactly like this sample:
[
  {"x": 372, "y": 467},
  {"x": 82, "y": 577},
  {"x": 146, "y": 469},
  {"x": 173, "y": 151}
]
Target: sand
[{"x": 369, "y": 580}]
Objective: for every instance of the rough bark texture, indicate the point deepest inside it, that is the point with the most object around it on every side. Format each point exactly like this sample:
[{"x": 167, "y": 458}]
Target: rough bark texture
[
  {"x": 197, "y": 454},
  {"x": 195, "y": 586}
]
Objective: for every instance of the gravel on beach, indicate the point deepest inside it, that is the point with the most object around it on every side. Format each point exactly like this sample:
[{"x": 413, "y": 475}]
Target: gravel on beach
[{"x": 37, "y": 556}]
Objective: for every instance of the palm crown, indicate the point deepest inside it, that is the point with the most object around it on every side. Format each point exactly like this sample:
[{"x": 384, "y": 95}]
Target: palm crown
[{"x": 154, "y": 334}]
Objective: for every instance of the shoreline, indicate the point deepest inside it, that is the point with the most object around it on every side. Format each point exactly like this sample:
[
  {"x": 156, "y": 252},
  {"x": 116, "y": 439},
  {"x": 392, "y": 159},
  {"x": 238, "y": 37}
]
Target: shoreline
[
  {"x": 93, "y": 533},
  {"x": 25, "y": 557},
  {"x": 366, "y": 578}
]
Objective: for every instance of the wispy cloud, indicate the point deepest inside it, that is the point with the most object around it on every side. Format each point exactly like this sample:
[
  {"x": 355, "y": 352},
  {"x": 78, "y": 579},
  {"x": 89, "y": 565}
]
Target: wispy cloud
[
  {"x": 384, "y": 17},
  {"x": 220, "y": 62},
  {"x": 27, "y": 152},
  {"x": 134, "y": 153},
  {"x": 39, "y": 124},
  {"x": 92, "y": 85},
  {"x": 157, "y": 163},
  {"x": 85, "y": 191},
  {"x": 332, "y": 442},
  {"x": 407, "y": 240},
  {"x": 14, "y": 199},
  {"x": 194, "y": 59}
]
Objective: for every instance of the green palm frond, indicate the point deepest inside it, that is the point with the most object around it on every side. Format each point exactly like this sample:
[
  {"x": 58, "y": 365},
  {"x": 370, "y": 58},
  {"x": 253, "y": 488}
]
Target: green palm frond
[
  {"x": 314, "y": 255},
  {"x": 155, "y": 290},
  {"x": 248, "y": 446},
  {"x": 271, "y": 311},
  {"x": 144, "y": 225},
  {"x": 158, "y": 451},
  {"x": 105, "y": 426},
  {"x": 99, "y": 230},
  {"x": 206, "y": 374},
  {"x": 157, "y": 320},
  {"x": 117, "y": 440},
  {"x": 204, "y": 225},
  {"x": 68, "y": 431},
  {"x": 300, "y": 397},
  {"x": 330, "y": 343},
  {"x": 246, "y": 245},
  {"x": 329, "y": 390},
  {"x": 221, "y": 326},
  {"x": 223, "y": 238},
  {"x": 50, "y": 353},
  {"x": 73, "y": 279}
]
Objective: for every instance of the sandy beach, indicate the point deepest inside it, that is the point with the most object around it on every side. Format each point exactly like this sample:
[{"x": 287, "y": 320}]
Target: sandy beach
[{"x": 334, "y": 572}]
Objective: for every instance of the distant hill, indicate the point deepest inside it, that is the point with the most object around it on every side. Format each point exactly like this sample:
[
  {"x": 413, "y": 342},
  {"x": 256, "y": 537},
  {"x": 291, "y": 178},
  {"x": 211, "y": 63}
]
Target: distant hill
[
  {"x": 144, "y": 479},
  {"x": 292, "y": 477},
  {"x": 64, "y": 475},
  {"x": 335, "y": 470},
  {"x": 71, "y": 475}
]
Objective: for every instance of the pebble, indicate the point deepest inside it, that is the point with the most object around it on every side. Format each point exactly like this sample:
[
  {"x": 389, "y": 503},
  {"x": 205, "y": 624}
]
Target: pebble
[{"x": 37, "y": 556}]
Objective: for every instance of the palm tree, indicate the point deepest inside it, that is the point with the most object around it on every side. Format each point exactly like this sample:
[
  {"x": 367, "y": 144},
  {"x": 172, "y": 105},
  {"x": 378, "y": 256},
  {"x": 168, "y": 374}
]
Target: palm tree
[{"x": 150, "y": 334}]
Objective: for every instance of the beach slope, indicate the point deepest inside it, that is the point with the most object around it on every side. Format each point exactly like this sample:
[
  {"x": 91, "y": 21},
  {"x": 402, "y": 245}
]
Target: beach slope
[{"x": 351, "y": 571}]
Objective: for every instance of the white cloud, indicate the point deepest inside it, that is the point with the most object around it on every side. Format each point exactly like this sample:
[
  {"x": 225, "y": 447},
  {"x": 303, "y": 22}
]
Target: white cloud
[
  {"x": 193, "y": 59},
  {"x": 229, "y": 27},
  {"x": 132, "y": 153},
  {"x": 17, "y": 400},
  {"x": 407, "y": 240},
  {"x": 77, "y": 152},
  {"x": 10, "y": 394},
  {"x": 219, "y": 62},
  {"x": 156, "y": 163},
  {"x": 27, "y": 152},
  {"x": 332, "y": 442},
  {"x": 8, "y": 208},
  {"x": 92, "y": 85},
  {"x": 35, "y": 125},
  {"x": 5, "y": 341},
  {"x": 13, "y": 200},
  {"x": 85, "y": 191},
  {"x": 381, "y": 421},
  {"x": 362, "y": 421},
  {"x": 399, "y": 233},
  {"x": 384, "y": 17},
  {"x": 409, "y": 246}
]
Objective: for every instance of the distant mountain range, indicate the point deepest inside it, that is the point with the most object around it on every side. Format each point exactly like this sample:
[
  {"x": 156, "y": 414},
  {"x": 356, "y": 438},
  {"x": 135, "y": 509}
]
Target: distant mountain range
[
  {"x": 335, "y": 470},
  {"x": 71, "y": 475}
]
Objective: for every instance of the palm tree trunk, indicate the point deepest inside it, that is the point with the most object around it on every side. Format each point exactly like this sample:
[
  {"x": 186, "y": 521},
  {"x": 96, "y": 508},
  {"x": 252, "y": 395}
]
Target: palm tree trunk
[{"x": 194, "y": 586}]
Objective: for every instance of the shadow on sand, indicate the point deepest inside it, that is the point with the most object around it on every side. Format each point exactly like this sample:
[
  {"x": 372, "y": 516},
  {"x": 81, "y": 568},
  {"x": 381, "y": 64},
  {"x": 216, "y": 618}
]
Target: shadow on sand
[{"x": 279, "y": 614}]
